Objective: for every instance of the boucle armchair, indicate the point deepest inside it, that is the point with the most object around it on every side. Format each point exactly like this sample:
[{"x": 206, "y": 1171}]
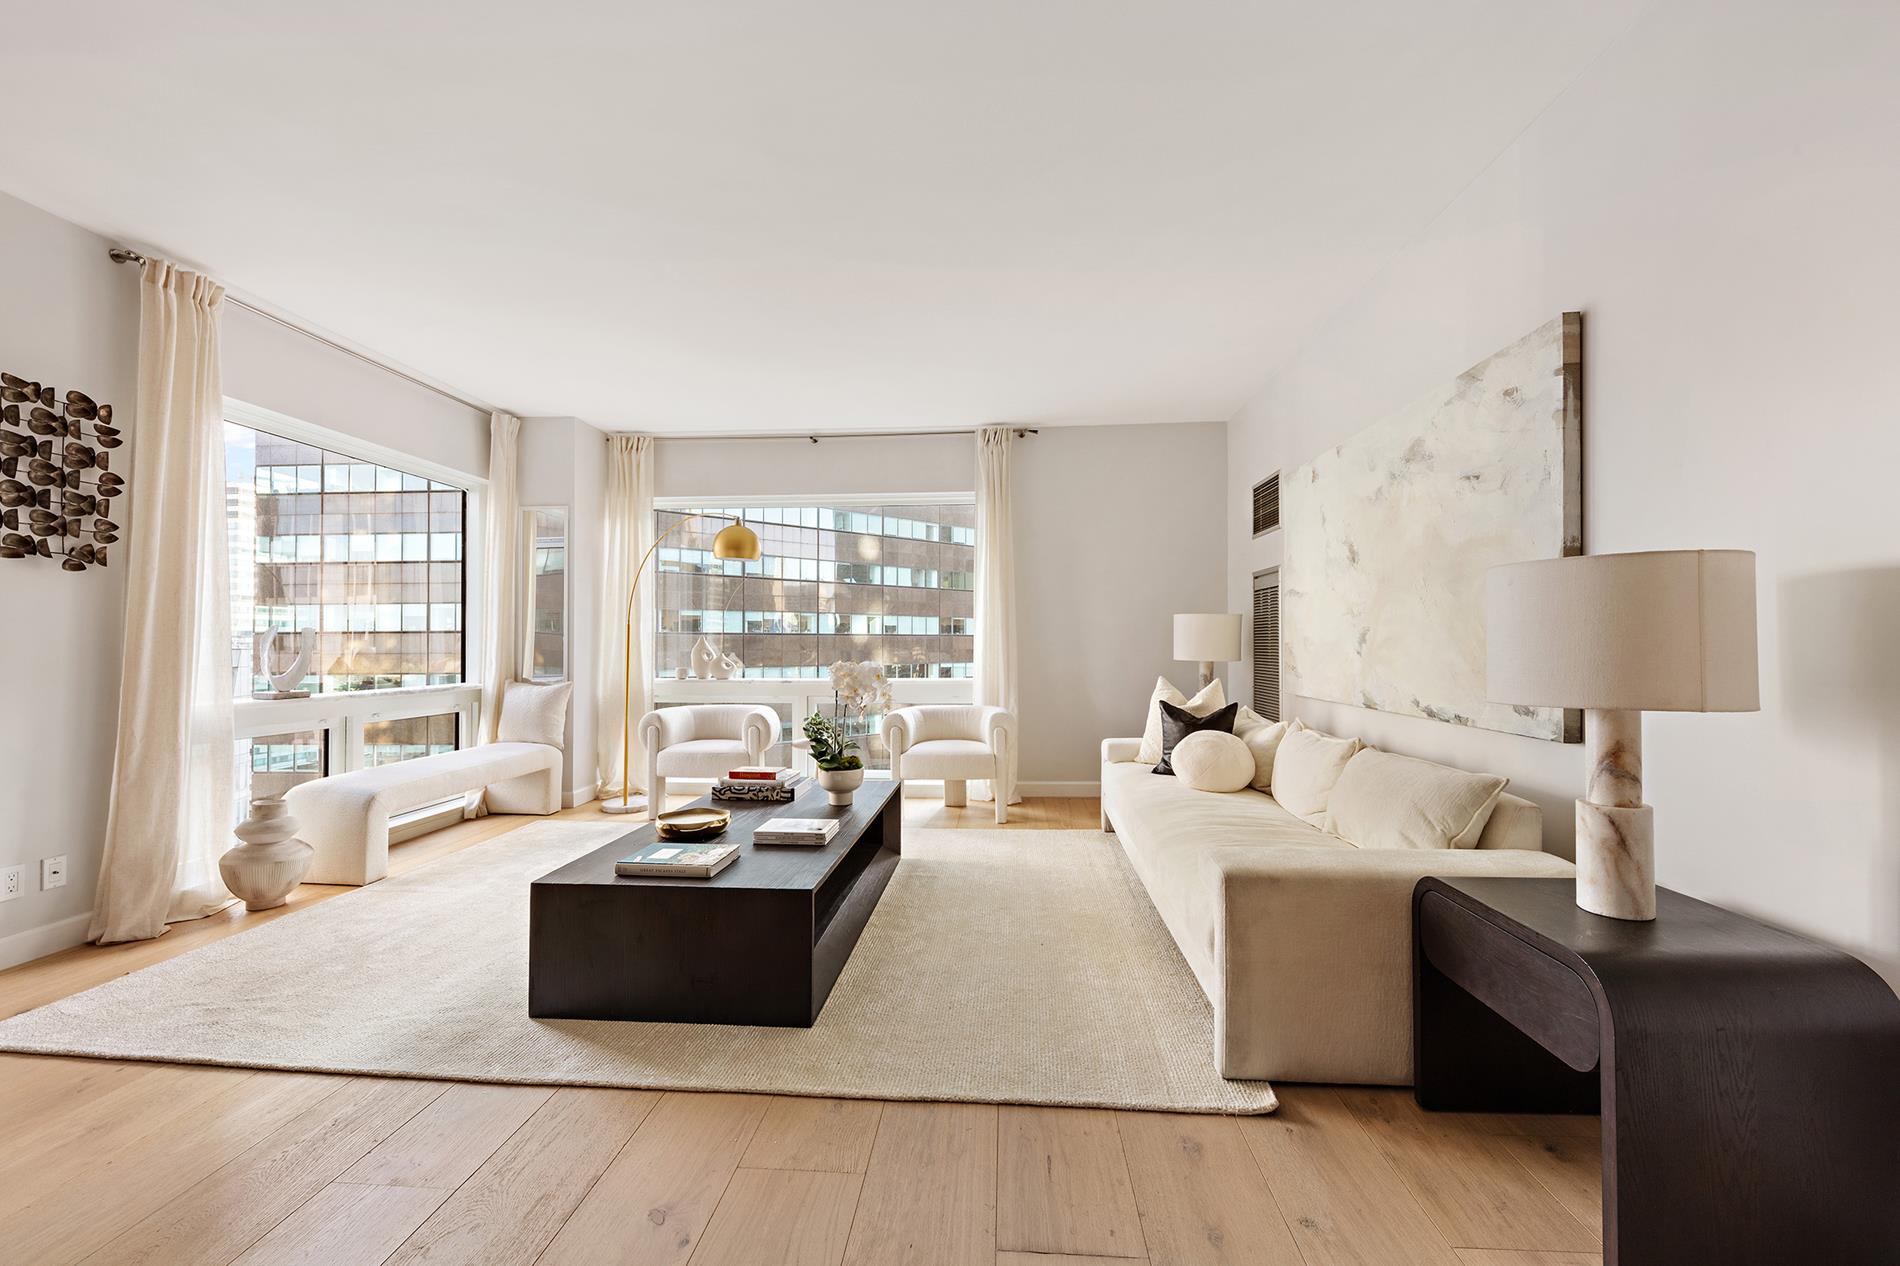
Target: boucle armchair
[
  {"x": 955, "y": 743},
  {"x": 702, "y": 740}
]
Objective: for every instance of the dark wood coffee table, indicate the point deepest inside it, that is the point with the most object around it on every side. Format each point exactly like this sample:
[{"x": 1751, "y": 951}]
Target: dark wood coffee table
[{"x": 761, "y": 942}]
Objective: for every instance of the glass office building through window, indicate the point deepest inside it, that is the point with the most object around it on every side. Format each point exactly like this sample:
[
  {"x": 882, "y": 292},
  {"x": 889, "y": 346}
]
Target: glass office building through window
[
  {"x": 368, "y": 555},
  {"x": 888, "y": 583}
]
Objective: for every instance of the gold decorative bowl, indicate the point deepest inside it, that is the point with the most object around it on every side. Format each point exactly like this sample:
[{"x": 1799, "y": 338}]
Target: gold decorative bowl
[{"x": 693, "y": 824}]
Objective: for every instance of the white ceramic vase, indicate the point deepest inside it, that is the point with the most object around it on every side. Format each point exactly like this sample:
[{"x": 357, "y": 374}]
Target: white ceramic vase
[
  {"x": 840, "y": 783},
  {"x": 270, "y": 861}
]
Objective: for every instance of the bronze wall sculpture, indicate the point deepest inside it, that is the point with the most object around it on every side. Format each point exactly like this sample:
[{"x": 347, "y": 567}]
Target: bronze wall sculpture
[{"x": 55, "y": 476}]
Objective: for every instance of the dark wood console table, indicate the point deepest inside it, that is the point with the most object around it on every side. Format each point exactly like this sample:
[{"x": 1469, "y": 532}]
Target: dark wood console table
[{"x": 1749, "y": 1078}]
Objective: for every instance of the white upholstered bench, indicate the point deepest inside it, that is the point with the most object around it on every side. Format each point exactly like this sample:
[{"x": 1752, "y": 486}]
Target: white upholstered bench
[{"x": 345, "y": 817}]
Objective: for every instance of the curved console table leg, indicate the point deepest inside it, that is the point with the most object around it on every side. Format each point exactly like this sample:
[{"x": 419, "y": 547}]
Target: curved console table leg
[{"x": 1749, "y": 1078}]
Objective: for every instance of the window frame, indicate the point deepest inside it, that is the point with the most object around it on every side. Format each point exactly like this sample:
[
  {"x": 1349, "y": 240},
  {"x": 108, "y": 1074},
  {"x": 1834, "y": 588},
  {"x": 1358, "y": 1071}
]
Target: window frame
[
  {"x": 802, "y": 695},
  {"x": 341, "y": 716}
]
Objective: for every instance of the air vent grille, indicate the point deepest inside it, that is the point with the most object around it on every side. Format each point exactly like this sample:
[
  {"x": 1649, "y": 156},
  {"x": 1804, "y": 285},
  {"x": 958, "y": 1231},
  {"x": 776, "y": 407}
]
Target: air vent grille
[
  {"x": 1266, "y": 504},
  {"x": 1266, "y": 645}
]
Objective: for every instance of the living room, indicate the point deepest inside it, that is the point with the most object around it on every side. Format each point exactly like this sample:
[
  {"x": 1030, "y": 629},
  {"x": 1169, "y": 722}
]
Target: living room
[{"x": 1006, "y": 636}]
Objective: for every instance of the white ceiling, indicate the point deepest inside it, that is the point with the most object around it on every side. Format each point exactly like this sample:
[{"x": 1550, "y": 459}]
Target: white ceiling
[{"x": 751, "y": 215}]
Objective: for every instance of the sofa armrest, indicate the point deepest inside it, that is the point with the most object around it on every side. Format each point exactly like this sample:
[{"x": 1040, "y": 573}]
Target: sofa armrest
[
  {"x": 1313, "y": 950},
  {"x": 1515, "y": 823},
  {"x": 1116, "y": 750}
]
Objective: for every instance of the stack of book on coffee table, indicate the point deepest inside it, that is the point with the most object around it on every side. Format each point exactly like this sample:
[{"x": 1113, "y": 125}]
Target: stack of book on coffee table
[
  {"x": 795, "y": 831},
  {"x": 761, "y": 783}
]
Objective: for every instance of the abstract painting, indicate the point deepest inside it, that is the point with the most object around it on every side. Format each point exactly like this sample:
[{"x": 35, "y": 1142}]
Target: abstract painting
[{"x": 1389, "y": 535}]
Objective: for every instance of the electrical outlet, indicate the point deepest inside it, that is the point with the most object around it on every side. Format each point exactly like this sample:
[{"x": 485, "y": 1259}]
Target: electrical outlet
[
  {"x": 12, "y": 882},
  {"x": 52, "y": 872}
]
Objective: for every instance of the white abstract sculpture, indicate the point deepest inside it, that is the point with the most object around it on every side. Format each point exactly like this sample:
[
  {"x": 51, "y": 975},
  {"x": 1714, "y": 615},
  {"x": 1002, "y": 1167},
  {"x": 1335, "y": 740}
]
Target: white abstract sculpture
[
  {"x": 283, "y": 685},
  {"x": 704, "y": 657},
  {"x": 728, "y": 667}
]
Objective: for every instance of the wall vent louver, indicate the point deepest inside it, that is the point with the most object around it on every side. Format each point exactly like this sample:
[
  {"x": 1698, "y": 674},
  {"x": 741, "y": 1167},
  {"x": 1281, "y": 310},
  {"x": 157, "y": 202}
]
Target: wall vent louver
[
  {"x": 1266, "y": 644},
  {"x": 1266, "y": 504}
]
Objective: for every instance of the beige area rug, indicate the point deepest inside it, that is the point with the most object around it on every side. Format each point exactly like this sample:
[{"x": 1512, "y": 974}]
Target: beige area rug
[{"x": 999, "y": 967}]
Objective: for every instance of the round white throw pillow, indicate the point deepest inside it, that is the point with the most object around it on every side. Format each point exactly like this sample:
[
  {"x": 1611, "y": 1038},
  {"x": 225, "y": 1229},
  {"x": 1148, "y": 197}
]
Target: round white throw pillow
[{"x": 1208, "y": 760}]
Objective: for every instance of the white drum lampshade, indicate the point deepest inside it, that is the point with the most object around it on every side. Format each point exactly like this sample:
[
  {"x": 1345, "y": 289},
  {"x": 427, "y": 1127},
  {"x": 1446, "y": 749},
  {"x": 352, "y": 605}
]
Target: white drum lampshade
[
  {"x": 1618, "y": 635},
  {"x": 1208, "y": 638}
]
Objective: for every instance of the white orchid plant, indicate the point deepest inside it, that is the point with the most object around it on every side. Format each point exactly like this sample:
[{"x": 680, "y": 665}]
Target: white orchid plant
[{"x": 855, "y": 688}]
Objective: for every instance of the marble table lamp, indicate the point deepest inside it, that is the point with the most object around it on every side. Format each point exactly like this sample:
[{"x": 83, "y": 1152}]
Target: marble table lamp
[{"x": 1618, "y": 635}]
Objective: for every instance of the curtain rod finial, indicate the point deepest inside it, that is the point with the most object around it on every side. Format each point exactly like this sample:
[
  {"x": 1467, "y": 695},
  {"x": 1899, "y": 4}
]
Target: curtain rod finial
[{"x": 120, "y": 255}]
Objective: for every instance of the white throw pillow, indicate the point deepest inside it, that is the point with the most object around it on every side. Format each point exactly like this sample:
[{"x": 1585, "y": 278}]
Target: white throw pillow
[
  {"x": 533, "y": 712},
  {"x": 1262, "y": 738},
  {"x": 1211, "y": 699},
  {"x": 1387, "y": 801},
  {"x": 1305, "y": 769},
  {"x": 1208, "y": 760}
]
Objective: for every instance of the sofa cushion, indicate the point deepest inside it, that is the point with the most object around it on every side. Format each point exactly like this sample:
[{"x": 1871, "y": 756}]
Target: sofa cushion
[
  {"x": 1388, "y": 801},
  {"x": 1305, "y": 768},
  {"x": 1211, "y": 760},
  {"x": 1262, "y": 738},
  {"x": 1178, "y": 723},
  {"x": 1210, "y": 699},
  {"x": 533, "y": 712}
]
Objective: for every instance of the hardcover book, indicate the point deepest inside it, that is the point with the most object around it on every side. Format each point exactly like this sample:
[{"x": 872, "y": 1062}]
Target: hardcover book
[
  {"x": 759, "y": 773},
  {"x": 678, "y": 861}
]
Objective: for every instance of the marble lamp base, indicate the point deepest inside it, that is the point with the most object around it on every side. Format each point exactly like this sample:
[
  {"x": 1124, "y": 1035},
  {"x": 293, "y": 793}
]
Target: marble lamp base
[
  {"x": 1616, "y": 860},
  {"x": 1616, "y": 836}
]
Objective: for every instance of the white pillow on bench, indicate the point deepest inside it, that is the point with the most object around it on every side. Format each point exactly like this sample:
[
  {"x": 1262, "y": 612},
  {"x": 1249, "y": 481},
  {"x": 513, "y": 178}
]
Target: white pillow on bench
[{"x": 534, "y": 712}]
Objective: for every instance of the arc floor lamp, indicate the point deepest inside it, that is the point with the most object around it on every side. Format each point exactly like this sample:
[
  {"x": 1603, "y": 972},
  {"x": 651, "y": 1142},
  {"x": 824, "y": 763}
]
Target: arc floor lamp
[{"x": 735, "y": 540}]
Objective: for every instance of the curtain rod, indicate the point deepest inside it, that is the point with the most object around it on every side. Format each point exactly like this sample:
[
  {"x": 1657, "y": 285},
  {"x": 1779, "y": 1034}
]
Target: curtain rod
[
  {"x": 120, "y": 255},
  {"x": 815, "y": 436}
]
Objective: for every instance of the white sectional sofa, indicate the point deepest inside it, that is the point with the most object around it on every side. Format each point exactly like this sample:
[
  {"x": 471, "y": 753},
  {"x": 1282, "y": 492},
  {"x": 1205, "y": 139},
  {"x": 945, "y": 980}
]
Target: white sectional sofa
[{"x": 1301, "y": 940}]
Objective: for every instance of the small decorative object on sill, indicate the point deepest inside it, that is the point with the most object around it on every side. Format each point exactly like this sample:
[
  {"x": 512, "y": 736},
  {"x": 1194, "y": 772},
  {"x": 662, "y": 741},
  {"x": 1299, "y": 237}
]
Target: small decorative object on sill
[
  {"x": 728, "y": 667},
  {"x": 61, "y": 480},
  {"x": 856, "y": 689},
  {"x": 679, "y": 674},
  {"x": 284, "y": 684},
  {"x": 704, "y": 657},
  {"x": 270, "y": 861}
]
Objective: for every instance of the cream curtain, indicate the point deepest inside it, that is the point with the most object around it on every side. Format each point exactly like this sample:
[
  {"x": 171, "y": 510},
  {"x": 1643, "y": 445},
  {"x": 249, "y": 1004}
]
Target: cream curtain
[
  {"x": 629, "y": 536},
  {"x": 501, "y": 571},
  {"x": 171, "y": 811},
  {"x": 995, "y": 589}
]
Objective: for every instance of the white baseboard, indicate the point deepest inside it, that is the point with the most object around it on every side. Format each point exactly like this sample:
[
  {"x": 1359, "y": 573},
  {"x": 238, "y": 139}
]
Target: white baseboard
[
  {"x": 1065, "y": 790},
  {"x": 24, "y": 947},
  {"x": 579, "y": 795}
]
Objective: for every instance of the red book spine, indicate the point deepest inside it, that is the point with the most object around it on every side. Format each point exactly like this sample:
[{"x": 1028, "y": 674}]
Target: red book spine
[{"x": 752, "y": 775}]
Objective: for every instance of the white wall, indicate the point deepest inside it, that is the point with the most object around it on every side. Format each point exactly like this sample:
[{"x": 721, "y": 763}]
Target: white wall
[
  {"x": 69, "y": 317},
  {"x": 268, "y": 364},
  {"x": 1108, "y": 547},
  {"x": 1718, "y": 195},
  {"x": 1113, "y": 528}
]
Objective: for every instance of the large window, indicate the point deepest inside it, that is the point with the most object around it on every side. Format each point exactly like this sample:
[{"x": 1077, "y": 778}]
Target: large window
[
  {"x": 368, "y": 555},
  {"x": 889, "y": 583}
]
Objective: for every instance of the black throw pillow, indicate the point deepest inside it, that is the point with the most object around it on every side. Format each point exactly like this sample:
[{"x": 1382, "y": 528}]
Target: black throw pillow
[{"x": 1178, "y": 723}]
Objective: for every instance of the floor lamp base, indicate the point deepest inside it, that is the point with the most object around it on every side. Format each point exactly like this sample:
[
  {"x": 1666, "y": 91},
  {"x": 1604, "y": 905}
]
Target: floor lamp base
[{"x": 624, "y": 804}]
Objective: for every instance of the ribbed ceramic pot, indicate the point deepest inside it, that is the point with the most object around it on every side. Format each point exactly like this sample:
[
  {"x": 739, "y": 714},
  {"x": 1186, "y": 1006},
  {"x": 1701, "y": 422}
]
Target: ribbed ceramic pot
[{"x": 270, "y": 862}]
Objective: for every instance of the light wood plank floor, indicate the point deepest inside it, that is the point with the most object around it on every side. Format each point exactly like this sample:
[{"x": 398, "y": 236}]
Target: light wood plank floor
[{"x": 106, "y": 1162}]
